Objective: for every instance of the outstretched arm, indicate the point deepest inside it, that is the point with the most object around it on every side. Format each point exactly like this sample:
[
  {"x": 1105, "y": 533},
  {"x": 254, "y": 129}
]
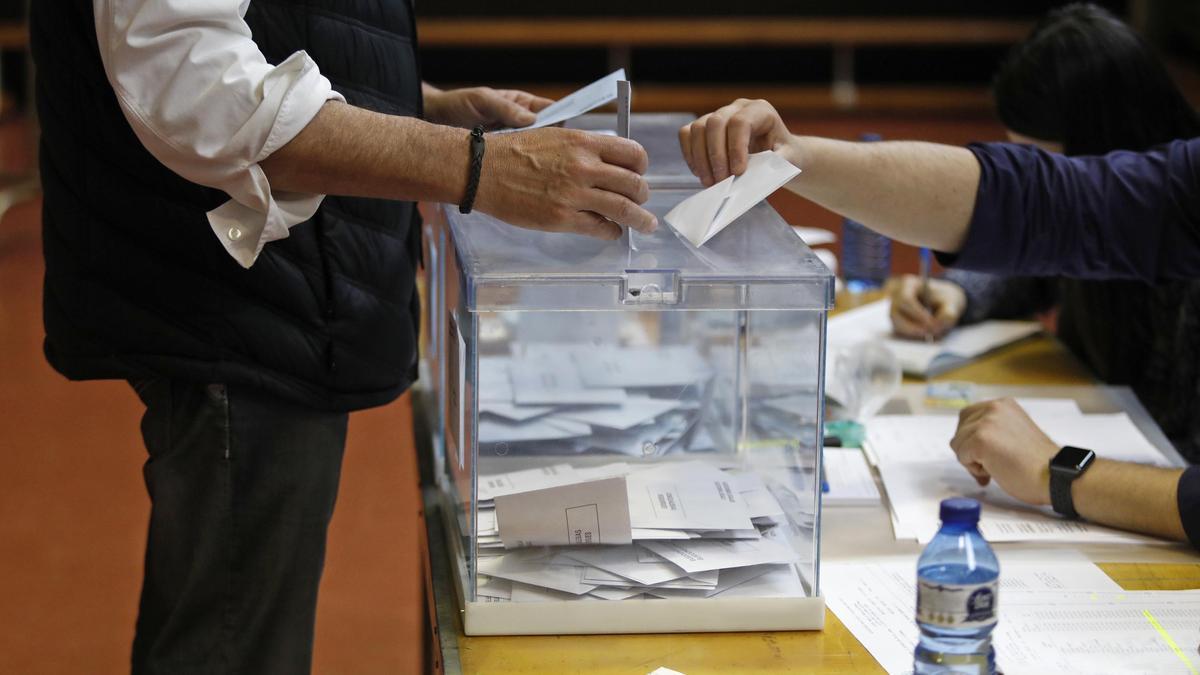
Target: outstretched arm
[{"x": 1004, "y": 208}]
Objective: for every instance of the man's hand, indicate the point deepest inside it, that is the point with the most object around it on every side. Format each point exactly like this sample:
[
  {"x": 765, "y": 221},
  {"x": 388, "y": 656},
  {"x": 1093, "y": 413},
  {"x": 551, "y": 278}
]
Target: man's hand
[
  {"x": 720, "y": 143},
  {"x": 564, "y": 180},
  {"x": 997, "y": 439},
  {"x": 911, "y": 318},
  {"x": 493, "y": 108}
]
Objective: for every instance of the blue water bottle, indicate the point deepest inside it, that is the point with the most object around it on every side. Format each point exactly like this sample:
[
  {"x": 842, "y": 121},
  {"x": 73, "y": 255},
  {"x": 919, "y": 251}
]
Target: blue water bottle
[
  {"x": 866, "y": 254},
  {"x": 957, "y": 579}
]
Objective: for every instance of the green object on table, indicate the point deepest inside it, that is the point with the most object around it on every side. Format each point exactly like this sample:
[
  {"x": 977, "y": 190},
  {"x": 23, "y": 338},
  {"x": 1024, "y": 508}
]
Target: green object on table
[{"x": 850, "y": 433}]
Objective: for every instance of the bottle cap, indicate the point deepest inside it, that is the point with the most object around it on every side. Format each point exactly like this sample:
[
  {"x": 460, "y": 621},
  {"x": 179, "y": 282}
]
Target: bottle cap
[{"x": 960, "y": 510}]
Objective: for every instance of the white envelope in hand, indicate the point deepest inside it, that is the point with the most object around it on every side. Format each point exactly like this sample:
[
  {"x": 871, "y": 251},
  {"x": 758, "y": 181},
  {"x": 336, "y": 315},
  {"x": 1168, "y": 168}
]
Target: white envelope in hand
[{"x": 701, "y": 216}]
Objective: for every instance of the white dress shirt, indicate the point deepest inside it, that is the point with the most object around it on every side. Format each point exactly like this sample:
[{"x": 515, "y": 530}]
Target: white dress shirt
[{"x": 204, "y": 101}]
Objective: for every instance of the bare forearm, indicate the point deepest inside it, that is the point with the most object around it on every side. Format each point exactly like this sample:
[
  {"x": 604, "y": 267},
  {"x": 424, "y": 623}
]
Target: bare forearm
[
  {"x": 919, "y": 193},
  {"x": 351, "y": 151},
  {"x": 1131, "y": 497}
]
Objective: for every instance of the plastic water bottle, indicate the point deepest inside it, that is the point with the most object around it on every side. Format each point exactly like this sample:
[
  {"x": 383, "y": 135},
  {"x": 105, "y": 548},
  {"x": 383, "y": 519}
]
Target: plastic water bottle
[
  {"x": 866, "y": 254},
  {"x": 957, "y": 579}
]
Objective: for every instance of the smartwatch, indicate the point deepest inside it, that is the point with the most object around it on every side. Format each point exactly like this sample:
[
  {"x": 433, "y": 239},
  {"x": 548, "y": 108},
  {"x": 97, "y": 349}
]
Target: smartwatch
[{"x": 1068, "y": 465}]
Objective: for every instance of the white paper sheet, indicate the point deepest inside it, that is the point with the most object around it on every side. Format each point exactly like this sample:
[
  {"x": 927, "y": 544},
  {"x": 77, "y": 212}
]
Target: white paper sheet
[
  {"x": 565, "y": 578},
  {"x": 736, "y": 576},
  {"x": 539, "y": 429},
  {"x": 849, "y": 478},
  {"x": 494, "y": 485},
  {"x": 916, "y": 489},
  {"x": 871, "y": 322},
  {"x": 1055, "y": 617},
  {"x": 613, "y": 593},
  {"x": 687, "y": 496},
  {"x": 759, "y": 501},
  {"x": 490, "y": 587},
  {"x": 634, "y": 411},
  {"x": 494, "y": 383},
  {"x": 531, "y": 593},
  {"x": 629, "y": 563},
  {"x": 704, "y": 555},
  {"x": 594, "y": 512},
  {"x": 705, "y": 214},
  {"x": 781, "y": 581},
  {"x": 667, "y": 366},
  {"x": 576, "y": 103},
  {"x": 512, "y": 413},
  {"x": 550, "y": 377}
]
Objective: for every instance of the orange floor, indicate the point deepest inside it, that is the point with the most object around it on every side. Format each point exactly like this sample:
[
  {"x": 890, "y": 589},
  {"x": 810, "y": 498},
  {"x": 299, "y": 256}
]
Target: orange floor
[{"x": 73, "y": 509}]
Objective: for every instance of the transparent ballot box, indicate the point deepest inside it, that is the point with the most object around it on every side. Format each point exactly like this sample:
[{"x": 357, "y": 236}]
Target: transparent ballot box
[{"x": 630, "y": 431}]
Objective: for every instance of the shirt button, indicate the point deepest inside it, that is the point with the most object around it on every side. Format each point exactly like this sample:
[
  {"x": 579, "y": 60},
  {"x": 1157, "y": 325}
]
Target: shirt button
[{"x": 235, "y": 233}]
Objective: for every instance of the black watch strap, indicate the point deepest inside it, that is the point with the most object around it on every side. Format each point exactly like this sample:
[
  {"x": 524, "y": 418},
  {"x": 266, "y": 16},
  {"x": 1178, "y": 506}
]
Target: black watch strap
[
  {"x": 1060, "y": 495},
  {"x": 1067, "y": 466}
]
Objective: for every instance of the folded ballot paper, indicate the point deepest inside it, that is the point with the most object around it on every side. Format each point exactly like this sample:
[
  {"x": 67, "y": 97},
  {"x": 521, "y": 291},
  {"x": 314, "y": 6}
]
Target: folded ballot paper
[
  {"x": 573, "y": 105},
  {"x": 703, "y": 215},
  {"x": 685, "y": 529}
]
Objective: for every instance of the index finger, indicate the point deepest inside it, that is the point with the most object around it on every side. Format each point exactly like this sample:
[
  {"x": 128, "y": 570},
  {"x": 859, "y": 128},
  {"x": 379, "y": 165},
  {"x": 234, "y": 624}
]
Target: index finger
[
  {"x": 749, "y": 120},
  {"x": 622, "y": 152}
]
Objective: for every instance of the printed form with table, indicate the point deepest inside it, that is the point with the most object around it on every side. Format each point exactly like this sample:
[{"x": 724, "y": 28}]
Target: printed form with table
[{"x": 603, "y": 471}]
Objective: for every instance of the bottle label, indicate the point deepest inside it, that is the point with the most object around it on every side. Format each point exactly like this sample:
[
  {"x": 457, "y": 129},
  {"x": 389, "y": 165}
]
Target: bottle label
[{"x": 956, "y": 605}]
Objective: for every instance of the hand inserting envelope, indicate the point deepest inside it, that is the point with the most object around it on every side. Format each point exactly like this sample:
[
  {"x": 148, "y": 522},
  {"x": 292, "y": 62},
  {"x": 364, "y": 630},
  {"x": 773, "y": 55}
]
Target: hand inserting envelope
[{"x": 703, "y": 215}]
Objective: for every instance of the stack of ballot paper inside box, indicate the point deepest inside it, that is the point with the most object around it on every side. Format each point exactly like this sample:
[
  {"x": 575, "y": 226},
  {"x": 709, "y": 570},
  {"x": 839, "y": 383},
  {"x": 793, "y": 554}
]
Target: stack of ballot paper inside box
[{"x": 622, "y": 531}]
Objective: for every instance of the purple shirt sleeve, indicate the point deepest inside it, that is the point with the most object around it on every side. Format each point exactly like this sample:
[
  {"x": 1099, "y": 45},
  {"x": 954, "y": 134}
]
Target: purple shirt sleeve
[
  {"x": 1188, "y": 498},
  {"x": 1125, "y": 215}
]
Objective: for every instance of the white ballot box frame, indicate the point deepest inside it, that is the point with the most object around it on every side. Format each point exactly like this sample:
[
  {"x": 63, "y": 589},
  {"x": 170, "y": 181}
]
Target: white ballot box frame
[{"x": 577, "y": 323}]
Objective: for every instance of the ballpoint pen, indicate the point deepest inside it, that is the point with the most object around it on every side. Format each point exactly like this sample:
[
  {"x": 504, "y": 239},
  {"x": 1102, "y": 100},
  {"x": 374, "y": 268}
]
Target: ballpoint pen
[{"x": 923, "y": 296}]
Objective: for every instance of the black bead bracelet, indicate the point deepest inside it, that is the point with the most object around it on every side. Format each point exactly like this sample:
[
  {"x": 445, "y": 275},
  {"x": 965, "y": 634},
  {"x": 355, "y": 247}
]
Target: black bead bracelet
[{"x": 477, "y": 148}]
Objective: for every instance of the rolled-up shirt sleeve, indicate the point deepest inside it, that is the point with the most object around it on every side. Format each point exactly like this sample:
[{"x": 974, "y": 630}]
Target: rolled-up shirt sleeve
[
  {"x": 1188, "y": 498},
  {"x": 201, "y": 97},
  {"x": 1125, "y": 215}
]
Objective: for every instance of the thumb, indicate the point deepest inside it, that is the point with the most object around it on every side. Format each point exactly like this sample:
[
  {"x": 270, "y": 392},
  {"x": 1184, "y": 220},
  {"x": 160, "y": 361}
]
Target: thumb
[
  {"x": 946, "y": 314},
  {"x": 509, "y": 113}
]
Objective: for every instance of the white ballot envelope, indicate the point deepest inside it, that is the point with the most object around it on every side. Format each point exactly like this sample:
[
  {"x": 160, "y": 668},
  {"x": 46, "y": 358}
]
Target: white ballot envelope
[
  {"x": 596, "y": 512},
  {"x": 573, "y": 105},
  {"x": 703, "y": 215}
]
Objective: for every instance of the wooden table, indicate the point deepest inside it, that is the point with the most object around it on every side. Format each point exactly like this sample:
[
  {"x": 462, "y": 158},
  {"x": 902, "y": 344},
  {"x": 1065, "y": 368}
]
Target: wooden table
[{"x": 1037, "y": 361}]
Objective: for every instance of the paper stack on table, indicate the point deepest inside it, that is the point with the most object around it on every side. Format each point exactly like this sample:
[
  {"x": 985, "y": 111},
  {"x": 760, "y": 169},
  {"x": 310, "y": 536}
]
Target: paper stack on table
[
  {"x": 918, "y": 468},
  {"x": 1055, "y": 617},
  {"x": 614, "y": 532},
  {"x": 848, "y": 477},
  {"x": 916, "y": 357}
]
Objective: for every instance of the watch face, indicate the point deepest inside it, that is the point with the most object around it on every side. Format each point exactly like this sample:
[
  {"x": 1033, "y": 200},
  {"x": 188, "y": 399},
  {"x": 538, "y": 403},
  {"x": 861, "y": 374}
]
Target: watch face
[{"x": 1071, "y": 459}]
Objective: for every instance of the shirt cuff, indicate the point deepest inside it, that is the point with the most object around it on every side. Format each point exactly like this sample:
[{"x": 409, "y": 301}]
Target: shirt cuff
[
  {"x": 1188, "y": 499},
  {"x": 257, "y": 215}
]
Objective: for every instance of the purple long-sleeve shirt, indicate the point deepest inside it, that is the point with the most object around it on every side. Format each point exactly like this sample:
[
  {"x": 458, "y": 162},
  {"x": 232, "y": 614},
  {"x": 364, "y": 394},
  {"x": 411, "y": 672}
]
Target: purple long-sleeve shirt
[{"x": 1125, "y": 215}]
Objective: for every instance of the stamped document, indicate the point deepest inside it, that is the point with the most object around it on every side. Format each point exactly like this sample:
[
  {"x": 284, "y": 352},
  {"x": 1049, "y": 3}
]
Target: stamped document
[
  {"x": 687, "y": 495},
  {"x": 595, "y": 512}
]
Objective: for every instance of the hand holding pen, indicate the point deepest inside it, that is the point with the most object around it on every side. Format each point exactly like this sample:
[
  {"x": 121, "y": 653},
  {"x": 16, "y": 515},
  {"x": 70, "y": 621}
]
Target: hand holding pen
[{"x": 922, "y": 307}]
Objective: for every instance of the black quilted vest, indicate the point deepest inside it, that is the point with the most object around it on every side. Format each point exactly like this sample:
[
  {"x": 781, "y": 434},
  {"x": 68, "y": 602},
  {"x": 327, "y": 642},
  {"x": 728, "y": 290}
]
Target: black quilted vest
[{"x": 138, "y": 285}]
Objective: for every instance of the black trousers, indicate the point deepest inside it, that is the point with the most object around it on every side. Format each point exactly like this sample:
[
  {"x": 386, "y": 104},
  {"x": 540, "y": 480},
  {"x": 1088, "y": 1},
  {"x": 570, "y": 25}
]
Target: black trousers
[{"x": 242, "y": 487}]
